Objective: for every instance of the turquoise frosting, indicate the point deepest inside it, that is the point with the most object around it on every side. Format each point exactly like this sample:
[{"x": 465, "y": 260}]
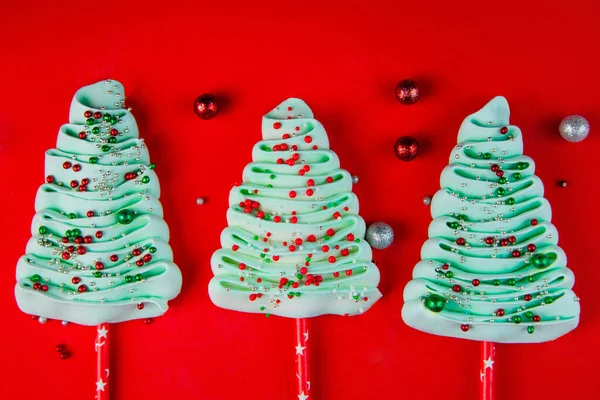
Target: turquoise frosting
[
  {"x": 294, "y": 245},
  {"x": 99, "y": 249},
  {"x": 508, "y": 281}
]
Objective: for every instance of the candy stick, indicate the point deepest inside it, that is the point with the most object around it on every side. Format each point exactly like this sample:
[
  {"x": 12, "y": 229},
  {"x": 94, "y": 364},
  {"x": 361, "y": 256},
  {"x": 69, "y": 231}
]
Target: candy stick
[
  {"x": 302, "y": 359},
  {"x": 488, "y": 354},
  {"x": 102, "y": 368}
]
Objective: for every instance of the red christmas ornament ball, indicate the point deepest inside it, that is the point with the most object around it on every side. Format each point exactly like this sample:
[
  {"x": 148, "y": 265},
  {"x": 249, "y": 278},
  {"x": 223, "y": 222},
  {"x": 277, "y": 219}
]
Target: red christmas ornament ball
[
  {"x": 206, "y": 106},
  {"x": 406, "y": 148},
  {"x": 407, "y": 92}
]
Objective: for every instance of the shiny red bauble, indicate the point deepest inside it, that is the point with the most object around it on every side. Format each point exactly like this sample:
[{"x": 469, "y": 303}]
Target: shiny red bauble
[
  {"x": 407, "y": 92},
  {"x": 206, "y": 106},
  {"x": 464, "y": 327},
  {"x": 406, "y": 148}
]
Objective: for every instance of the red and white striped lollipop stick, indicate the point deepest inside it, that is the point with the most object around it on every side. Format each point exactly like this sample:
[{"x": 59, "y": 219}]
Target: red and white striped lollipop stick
[
  {"x": 486, "y": 374},
  {"x": 302, "y": 359},
  {"x": 102, "y": 369}
]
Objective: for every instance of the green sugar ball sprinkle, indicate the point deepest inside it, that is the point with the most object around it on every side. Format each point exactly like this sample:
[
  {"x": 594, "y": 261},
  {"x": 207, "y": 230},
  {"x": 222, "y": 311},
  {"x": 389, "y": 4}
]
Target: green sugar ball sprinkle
[
  {"x": 530, "y": 329},
  {"x": 539, "y": 260},
  {"x": 125, "y": 216},
  {"x": 43, "y": 230},
  {"x": 435, "y": 303}
]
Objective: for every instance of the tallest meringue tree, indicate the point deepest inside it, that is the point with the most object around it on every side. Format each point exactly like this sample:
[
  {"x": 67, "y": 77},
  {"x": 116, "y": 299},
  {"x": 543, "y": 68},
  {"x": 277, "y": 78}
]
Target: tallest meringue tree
[{"x": 99, "y": 250}]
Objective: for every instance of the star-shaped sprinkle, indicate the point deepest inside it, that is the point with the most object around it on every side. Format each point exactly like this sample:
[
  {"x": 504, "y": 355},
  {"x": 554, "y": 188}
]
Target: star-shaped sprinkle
[
  {"x": 102, "y": 332},
  {"x": 489, "y": 363},
  {"x": 302, "y": 396},
  {"x": 100, "y": 385},
  {"x": 300, "y": 349}
]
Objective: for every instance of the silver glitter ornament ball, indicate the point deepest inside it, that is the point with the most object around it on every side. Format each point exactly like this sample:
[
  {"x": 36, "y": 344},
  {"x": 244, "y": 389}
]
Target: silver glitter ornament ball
[
  {"x": 574, "y": 128},
  {"x": 354, "y": 179},
  {"x": 427, "y": 200},
  {"x": 200, "y": 201},
  {"x": 380, "y": 235}
]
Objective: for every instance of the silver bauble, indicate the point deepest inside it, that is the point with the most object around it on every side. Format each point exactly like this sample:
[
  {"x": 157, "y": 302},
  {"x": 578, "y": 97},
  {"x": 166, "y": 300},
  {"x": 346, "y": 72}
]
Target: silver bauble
[
  {"x": 380, "y": 235},
  {"x": 574, "y": 128}
]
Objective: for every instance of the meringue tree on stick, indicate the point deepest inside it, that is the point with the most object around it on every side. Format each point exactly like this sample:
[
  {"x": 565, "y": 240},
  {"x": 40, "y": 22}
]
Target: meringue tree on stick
[
  {"x": 294, "y": 245},
  {"x": 491, "y": 269},
  {"x": 99, "y": 249}
]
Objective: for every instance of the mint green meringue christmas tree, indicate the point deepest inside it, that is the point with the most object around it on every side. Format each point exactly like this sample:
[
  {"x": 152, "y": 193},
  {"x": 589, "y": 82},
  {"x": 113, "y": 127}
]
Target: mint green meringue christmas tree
[
  {"x": 491, "y": 269},
  {"x": 295, "y": 243},
  {"x": 99, "y": 249}
]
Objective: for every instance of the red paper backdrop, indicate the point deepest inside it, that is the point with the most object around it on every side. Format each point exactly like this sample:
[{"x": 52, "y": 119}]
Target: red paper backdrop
[{"x": 344, "y": 60}]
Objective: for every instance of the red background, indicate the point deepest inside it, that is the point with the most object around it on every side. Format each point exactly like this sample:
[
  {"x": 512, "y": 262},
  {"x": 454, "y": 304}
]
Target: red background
[{"x": 344, "y": 59}]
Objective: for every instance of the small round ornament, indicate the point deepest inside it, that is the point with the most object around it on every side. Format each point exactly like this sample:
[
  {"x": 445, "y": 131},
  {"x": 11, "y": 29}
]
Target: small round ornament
[
  {"x": 406, "y": 148},
  {"x": 380, "y": 235},
  {"x": 206, "y": 106},
  {"x": 407, "y": 92},
  {"x": 200, "y": 201},
  {"x": 563, "y": 183},
  {"x": 574, "y": 128},
  {"x": 354, "y": 179},
  {"x": 427, "y": 200},
  {"x": 125, "y": 216}
]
